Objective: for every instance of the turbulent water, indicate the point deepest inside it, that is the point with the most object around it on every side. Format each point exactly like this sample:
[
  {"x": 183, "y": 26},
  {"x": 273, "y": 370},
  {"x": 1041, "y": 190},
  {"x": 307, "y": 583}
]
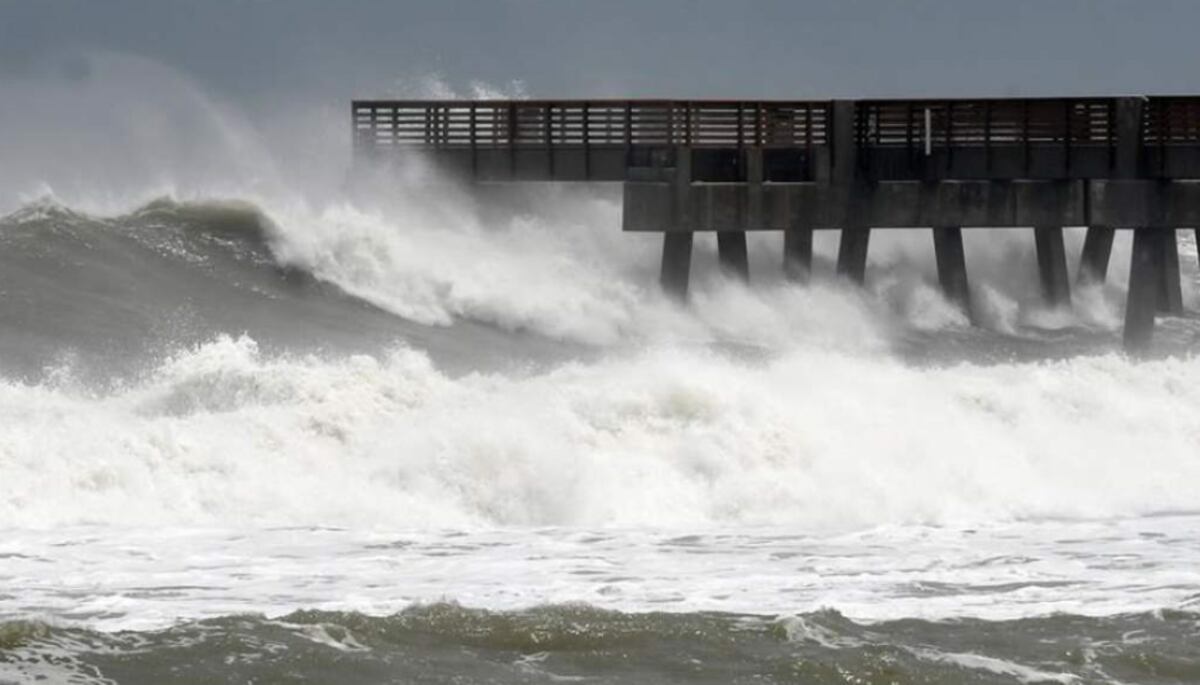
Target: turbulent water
[{"x": 436, "y": 439}]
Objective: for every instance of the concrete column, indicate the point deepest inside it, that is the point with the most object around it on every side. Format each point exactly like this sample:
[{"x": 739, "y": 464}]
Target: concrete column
[
  {"x": 1127, "y": 161},
  {"x": 852, "y": 253},
  {"x": 1145, "y": 273},
  {"x": 797, "y": 254},
  {"x": 1097, "y": 249},
  {"x": 1145, "y": 263},
  {"x": 1170, "y": 295},
  {"x": 843, "y": 176},
  {"x": 682, "y": 202},
  {"x": 676, "y": 267},
  {"x": 676, "y": 263},
  {"x": 844, "y": 157},
  {"x": 731, "y": 253},
  {"x": 952, "y": 266},
  {"x": 1052, "y": 265},
  {"x": 754, "y": 189}
]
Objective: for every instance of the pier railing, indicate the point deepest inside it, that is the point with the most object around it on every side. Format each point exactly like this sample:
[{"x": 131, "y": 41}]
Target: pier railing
[
  {"x": 921, "y": 139},
  {"x": 987, "y": 138},
  {"x": 593, "y": 123},
  {"x": 984, "y": 123},
  {"x": 908, "y": 123},
  {"x": 1171, "y": 121}
]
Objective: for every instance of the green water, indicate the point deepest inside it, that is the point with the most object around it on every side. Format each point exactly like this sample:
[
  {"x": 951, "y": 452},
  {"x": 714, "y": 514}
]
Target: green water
[{"x": 446, "y": 643}]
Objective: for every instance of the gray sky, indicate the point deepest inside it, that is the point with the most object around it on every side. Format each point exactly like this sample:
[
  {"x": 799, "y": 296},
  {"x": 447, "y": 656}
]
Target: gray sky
[
  {"x": 256, "y": 50},
  {"x": 104, "y": 103}
]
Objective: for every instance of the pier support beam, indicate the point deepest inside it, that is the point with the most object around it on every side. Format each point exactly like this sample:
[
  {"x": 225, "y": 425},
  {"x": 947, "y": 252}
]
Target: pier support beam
[
  {"x": 852, "y": 253},
  {"x": 1097, "y": 249},
  {"x": 677, "y": 244},
  {"x": 952, "y": 266},
  {"x": 753, "y": 157},
  {"x": 1052, "y": 265},
  {"x": 797, "y": 254},
  {"x": 843, "y": 175},
  {"x": 731, "y": 253},
  {"x": 1145, "y": 276},
  {"x": 676, "y": 263},
  {"x": 1170, "y": 294}
]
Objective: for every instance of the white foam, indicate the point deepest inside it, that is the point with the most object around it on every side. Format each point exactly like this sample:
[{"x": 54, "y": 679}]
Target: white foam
[
  {"x": 118, "y": 578},
  {"x": 662, "y": 436},
  {"x": 433, "y": 262},
  {"x": 1024, "y": 674},
  {"x": 801, "y": 629}
]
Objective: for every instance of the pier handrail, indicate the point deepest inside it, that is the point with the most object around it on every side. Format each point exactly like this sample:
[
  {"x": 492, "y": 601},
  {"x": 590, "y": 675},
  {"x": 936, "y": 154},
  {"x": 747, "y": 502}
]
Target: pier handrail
[
  {"x": 1171, "y": 120},
  {"x": 589, "y": 123},
  {"x": 985, "y": 122},
  {"x": 941, "y": 123}
]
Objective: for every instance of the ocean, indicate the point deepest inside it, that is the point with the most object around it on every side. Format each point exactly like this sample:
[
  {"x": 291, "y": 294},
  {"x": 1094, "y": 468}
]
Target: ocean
[{"x": 411, "y": 435}]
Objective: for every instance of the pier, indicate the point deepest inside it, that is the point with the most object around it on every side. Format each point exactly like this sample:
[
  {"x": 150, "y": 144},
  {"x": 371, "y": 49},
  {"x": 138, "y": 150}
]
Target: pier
[{"x": 1107, "y": 164}]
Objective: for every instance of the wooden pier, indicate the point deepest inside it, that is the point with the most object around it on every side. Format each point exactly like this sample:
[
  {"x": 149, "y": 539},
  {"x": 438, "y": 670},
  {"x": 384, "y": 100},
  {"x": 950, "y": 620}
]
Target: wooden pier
[{"x": 854, "y": 165}]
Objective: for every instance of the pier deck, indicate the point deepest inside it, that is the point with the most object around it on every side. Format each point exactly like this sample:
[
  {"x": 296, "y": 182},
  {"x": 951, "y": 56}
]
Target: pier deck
[{"x": 853, "y": 165}]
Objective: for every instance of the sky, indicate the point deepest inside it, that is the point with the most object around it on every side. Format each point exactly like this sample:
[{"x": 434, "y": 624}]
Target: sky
[
  {"x": 104, "y": 103},
  {"x": 255, "y": 51}
]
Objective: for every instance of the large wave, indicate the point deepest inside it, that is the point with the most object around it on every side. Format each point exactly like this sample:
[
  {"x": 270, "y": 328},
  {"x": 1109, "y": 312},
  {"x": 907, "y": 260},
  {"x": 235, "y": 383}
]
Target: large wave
[
  {"x": 549, "y": 264},
  {"x": 111, "y": 296},
  {"x": 772, "y": 405}
]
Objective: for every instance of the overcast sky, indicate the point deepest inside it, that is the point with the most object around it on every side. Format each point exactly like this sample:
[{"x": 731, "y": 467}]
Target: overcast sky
[{"x": 255, "y": 50}]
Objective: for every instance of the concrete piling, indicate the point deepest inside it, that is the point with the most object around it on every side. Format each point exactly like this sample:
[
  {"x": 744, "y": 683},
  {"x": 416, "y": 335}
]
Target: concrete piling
[
  {"x": 753, "y": 160},
  {"x": 797, "y": 254},
  {"x": 1097, "y": 249},
  {"x": 676, "y": 266},
  {"x": 676, "y": 263},
  {"x": 1145, "y": 274},
  {"x": 843, "y": 178},
  {"x": 952, "y": 266},
  {"x": 731, "y": 253},
  {"x": 1170, "y": 294},
  {"x": 1052, "y": 265},
  {"x": 852, "y": 254}
]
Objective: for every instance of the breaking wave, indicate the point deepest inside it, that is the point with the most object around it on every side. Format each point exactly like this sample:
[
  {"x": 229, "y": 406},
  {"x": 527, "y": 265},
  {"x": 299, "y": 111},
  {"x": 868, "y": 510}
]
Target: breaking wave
[
  {"x": 203, "y": 363},
  {"x": 223, "y": 434}
]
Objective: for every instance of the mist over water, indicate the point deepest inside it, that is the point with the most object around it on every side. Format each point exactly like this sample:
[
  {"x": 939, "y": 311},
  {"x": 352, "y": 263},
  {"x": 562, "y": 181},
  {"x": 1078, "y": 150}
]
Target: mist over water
[{"x": 220, "y": 342}]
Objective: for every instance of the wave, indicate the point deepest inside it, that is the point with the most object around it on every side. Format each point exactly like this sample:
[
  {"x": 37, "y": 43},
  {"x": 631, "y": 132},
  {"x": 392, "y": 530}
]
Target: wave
[
  {"x": 446, "y": 642},
  {"x": 440, "y": 363},
  {"x": 112, "y": 296},
  {"x": 467, "y": 282},
  {"x": 131, "y": 288},
  {"x": 224, "y": 433}
]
